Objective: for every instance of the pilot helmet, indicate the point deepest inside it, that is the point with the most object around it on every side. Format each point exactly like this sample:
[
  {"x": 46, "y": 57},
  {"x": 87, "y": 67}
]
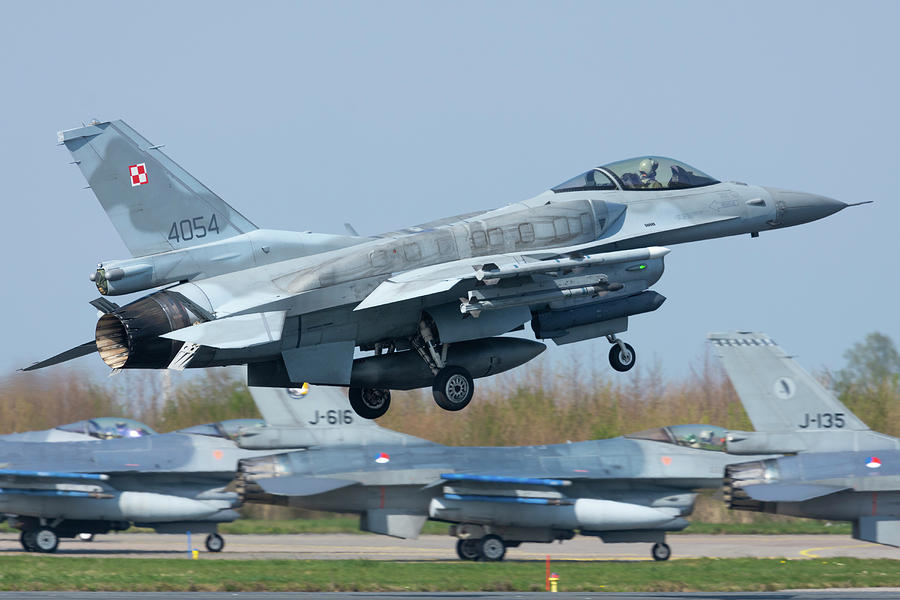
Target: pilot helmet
[{"x": 647, "y": 168}]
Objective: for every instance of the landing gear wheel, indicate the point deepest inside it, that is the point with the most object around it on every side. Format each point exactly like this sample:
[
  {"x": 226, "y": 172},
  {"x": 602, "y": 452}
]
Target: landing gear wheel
[
  {"x": 26, "y": 538},
  {"x": 660, "y": 551},
  {"x": 492, "y": 548},
  {"x": 214, "y": 542},
  {"x": 370, "y": 403},
  {"x": 45, "y": 540},
  {"x": 85, "y": 537},
  {"x": 467, "y": 549},
  {"x": 453, "y": 388},
  {"x": 622, "y": 360}
]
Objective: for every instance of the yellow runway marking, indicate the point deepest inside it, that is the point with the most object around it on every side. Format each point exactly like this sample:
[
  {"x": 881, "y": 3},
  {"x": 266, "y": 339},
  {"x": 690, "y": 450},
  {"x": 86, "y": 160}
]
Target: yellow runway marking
[{"x": 808, "y": 553}]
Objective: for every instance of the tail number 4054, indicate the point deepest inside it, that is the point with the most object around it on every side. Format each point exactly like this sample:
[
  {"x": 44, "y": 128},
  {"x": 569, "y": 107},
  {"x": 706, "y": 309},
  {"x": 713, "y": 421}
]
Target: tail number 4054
[{"x": 196, "y": 227}]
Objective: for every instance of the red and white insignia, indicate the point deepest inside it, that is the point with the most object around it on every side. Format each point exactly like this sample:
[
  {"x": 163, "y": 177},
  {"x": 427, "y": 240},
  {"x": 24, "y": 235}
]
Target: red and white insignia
[{"x": 138, "y": 174}]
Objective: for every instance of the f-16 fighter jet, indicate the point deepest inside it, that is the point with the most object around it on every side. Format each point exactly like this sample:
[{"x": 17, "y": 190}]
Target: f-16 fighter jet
[
  {"x": 628, "y": 489},
  {"x": 103, "y": 428},
  {"x": 842, "y": 470},
  {"x": 428, "y": 305},
  {"x": 108, "y": 474}
]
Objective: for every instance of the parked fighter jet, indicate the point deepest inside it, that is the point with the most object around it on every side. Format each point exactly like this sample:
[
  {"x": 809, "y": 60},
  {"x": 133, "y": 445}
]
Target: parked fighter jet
[
  {"x": 430, "y": 303},
  {"x": 628, "y": 489},
  {"x": 103, "y": 428},
  {"x": 842, "y": 471},
  {"x": 125, "y": 474}
]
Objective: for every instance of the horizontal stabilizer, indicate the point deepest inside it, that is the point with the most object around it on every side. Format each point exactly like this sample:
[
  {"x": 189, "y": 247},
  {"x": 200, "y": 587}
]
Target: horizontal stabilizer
[
  {"x": 298, "y": 485},
  {"x": 241, "y": 331},
  {"x": 504, "y": 479},
  {"x": 9, "y": 473},
  {"x": 76, "y": 352},
  {"x": 790, "y": 492}
]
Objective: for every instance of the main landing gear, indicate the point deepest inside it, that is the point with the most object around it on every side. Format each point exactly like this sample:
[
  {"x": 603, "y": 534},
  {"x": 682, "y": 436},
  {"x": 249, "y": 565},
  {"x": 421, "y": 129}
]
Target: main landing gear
[
  {"x": 660, "y": 551},
  {"x": 490, "y": 548},
  {"x": 370, "y": 403},
  {"x": 42, "y": 539},
  {"x": 452, "y": 387},
  {"x": 214, "y": 542},
  {"x": 621, "y": 356}
]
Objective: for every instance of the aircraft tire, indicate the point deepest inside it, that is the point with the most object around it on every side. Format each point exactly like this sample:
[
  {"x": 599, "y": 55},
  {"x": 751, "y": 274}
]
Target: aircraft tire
[
  {"x": 27, "y": 541},
  {"x": 622, "y": 361},
  {"x": 491, "y": 548},
  {"x": 467, "y": 549},
  {"x": 370, "y": 403},
  {"x": 660, "y": 551},
  {"x": 215, "y": 542},
  {"x": 45, "y": 540},
  {"x": 453, "y": 388}
]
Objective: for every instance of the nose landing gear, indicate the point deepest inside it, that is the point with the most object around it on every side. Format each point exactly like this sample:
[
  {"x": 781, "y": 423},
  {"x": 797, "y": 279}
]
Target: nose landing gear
[{"x": 621, "y": 356}]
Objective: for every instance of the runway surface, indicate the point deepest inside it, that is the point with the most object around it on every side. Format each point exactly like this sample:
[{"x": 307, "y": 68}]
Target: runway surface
[
  {"x": 434, "y": 547},
  {"x": 866, "y": 594}
]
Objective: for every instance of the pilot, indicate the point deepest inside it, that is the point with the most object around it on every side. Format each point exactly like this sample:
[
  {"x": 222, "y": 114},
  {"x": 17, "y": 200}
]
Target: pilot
[{"x": 647, "y": 171}]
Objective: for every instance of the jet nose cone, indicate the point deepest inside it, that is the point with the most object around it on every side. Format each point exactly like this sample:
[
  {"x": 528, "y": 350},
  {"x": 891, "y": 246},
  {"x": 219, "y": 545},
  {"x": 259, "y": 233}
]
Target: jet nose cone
[{"x": 795, "y": 208}]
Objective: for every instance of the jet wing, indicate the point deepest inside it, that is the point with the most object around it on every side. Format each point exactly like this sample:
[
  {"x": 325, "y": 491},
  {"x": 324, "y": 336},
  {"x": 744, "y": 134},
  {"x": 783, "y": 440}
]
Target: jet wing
[
  {"x": 474, "y": 478},
  {"x": 53, "y": 483},
  {"x": 790, "y": 492},
  {"x": 299, "y": 485},
  {"x": 502, "y": 488},
  {"x": 489, "y": 270}
]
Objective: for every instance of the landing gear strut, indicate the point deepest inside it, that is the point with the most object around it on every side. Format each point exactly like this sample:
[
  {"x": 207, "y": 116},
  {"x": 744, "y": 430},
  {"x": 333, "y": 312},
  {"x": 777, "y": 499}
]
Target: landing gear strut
[
  {"x": 370, "y": 403},
  {"x": 453, "y": 386},
  {"x": 621, "y": 356}
]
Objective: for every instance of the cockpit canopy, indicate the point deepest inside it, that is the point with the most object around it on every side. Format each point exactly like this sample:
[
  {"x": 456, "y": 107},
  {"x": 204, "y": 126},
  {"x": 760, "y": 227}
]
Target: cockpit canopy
[
  {"x": 645, "y": 173},
  {"x": 228, "y": 430},
  {"x": 109, "y": 428},
  {"x": 703, "y": 437}
]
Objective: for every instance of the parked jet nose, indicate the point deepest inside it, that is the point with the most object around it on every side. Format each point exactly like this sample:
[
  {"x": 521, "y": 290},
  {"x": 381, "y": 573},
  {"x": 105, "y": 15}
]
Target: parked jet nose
[{"x": 795, "y": 208}]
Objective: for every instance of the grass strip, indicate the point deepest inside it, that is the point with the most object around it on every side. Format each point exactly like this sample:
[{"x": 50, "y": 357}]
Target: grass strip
[{"x": 47, "y": 573}]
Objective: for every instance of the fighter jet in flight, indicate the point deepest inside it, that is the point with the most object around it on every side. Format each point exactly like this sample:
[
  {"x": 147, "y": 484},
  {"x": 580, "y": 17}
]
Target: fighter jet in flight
[
  {"x": 108, "y": 474},
  {"x": 840, "y": 469},
  {"x": 423, "y": 306},
  {"x": 627, "y": 489}
]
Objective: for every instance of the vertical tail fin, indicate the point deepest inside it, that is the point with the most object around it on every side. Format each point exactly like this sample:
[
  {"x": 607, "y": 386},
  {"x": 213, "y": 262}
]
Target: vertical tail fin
[
  {"x": 305, "y": 406},
  {"x": 777, "y": 393},
  {"x": 314, "y": 416},
  {"x": 153, "y": 203}
]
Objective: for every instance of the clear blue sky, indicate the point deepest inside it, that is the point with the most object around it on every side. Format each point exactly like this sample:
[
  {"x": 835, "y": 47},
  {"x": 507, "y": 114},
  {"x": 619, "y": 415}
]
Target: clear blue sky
[{"x": 387, "y": 114}]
